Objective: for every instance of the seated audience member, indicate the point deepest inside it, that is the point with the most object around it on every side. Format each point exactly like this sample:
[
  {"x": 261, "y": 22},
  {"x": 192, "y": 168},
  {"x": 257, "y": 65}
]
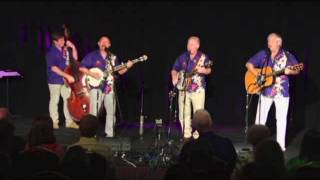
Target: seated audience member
[
  {"x": 222, "y": 148},
  {"x": 178, "y": 171},
  {"x": 4, "y": 113},
  {"x": 10, "y": 144},
  {"x": 78, "y": 163},
  {"x": 5, "y": 166},
  {"x": 255, "y": 134},
  {"x": 268, "y": 162},
  {"x": 88, "y": 127},
  {"x": 203, "y": 162},
  {"x": 41, "y": 135},
  {"x": 307, "y": 164},
  {"x": 33, "y": 161},
  {"x": 49, "y": 175},
  {"x": 6, "y": 137}
]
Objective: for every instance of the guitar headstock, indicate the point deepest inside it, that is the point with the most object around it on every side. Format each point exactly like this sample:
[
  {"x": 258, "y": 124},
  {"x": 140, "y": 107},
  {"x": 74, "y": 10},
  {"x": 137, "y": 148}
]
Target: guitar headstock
[
  {"x": 297, "y": 67},
  {"x": 143, "y": 58},
  {"x": 209, "y": 63}
]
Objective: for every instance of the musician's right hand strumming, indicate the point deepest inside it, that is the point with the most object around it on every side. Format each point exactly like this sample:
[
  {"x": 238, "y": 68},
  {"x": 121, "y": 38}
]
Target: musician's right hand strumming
[
  {"x": 252, "y": 69},
  {"x": 92, "y": 74},
  {"x": 70, "y": 44},
  {"x": 174, "y": 81},
  {"x": 95, "y": 75}
]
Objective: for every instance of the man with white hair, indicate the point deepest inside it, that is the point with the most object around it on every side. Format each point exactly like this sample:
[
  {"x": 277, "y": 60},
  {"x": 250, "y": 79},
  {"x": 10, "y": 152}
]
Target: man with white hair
[
  {"x": 191, "y": 62},
  {"x": 278, "y": 59}
]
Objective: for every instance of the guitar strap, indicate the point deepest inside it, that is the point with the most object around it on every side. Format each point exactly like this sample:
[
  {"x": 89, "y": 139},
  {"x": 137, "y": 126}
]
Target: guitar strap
[
  {"x": 202, "y": 57},
  {"x": 287, "y": 55},
  {"x": 110, "y": 59},
  {"x": 265, "y": 62}
]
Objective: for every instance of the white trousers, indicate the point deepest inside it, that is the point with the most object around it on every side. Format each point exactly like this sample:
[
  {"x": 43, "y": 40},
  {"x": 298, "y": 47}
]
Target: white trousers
[
  {"x": 282, "y": 105},
  {"x": 55, "y": 91},
  {"x": 97, "y": 97},
  {"x": 197, "y": 100}
]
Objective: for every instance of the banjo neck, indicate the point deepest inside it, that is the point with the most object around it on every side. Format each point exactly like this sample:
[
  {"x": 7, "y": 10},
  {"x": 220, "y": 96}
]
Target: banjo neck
[{"x": 121, "y": 66}]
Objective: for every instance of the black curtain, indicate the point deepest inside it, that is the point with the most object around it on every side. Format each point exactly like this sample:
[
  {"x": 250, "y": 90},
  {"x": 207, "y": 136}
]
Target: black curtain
[{"x": 230, "y": 34}]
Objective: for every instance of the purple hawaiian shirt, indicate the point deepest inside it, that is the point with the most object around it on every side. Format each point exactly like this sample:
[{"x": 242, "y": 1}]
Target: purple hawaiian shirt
[
  {"x": 281, "y": 60},
  {"x": 198, "y": 80},
  {"x": 55, "y": 57},
  {"x": 95, "y": 59}
]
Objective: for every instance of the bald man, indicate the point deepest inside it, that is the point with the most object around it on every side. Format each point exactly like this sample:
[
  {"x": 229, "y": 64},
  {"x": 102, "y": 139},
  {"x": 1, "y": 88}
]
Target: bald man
[
  {"x": 278, "y": 93},
  {"x": 221, "y": 146}
]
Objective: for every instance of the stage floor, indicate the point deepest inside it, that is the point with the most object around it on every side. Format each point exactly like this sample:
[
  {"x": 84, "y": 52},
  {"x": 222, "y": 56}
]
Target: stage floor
[{"x": 129, "y": 132}]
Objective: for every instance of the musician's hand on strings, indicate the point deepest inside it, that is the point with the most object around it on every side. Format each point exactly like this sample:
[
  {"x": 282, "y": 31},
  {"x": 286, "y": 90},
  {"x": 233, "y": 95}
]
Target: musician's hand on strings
[
  {"x": 255, "y": 72},
  {"x": 70, "y": 44},
  {"x": 174, "y": 80},
  {"x": 201, "y": 70},
  {"x": 129, "y": 64},
  {"x": 95, "y": 75},
  {"x": 288, "y": 71},
  {"x": 70, "y": 79}
]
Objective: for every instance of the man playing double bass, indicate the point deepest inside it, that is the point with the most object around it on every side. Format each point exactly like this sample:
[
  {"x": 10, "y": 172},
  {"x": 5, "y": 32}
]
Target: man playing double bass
[{"x": 56, "y": 58}]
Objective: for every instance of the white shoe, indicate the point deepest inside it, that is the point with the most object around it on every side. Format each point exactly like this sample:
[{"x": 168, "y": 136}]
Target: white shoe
[
  {"x": 107, "y": 136},
  {"x": 55, "y": 125},
  {"x": 72, "y": 125}
]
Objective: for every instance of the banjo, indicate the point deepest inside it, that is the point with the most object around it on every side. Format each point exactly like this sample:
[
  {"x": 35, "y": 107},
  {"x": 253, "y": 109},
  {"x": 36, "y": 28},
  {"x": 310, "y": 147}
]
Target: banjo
[{"x": 93, "y": 82}]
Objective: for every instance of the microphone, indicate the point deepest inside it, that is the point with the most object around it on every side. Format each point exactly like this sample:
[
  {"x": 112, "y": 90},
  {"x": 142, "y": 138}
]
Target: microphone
[
  {"x": 108, "y": 53},
  {"x": 106, "y": 50},
  {"x": 268, "y": 51}
]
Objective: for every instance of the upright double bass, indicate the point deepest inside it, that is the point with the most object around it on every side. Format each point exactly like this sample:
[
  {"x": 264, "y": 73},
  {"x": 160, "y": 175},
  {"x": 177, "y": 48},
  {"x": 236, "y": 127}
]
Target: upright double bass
[{"x": 79, "y": 100}]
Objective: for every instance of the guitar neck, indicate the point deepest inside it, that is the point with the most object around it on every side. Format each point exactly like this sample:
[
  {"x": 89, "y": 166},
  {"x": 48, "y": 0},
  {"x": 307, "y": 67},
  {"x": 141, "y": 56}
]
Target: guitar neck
[
  {"x": 121, "y": 66},
  {"x": 276, "y": 73},
  {"x": 194, "y": 71}
]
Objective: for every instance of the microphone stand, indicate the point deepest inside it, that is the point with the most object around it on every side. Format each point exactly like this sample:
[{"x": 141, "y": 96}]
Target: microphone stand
[
  {"x": 172, "y": 117},
  {"x": 260, "y": 82},
  {"x": 261, "y": 79},
  {"x": 141, "y": 108},
  {"x": 115, "y": 98},
  {"x": 248, "y": 102}
]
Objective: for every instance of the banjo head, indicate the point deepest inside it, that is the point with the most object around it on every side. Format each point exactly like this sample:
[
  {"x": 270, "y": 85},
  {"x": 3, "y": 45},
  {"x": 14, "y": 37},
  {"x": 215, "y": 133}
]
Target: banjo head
[{"x": 93, "y": 82}]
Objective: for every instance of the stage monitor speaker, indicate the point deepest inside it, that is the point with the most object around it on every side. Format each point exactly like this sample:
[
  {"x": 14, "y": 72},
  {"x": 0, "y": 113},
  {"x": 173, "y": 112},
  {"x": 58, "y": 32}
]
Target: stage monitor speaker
[{"x": 117, "y": 144}]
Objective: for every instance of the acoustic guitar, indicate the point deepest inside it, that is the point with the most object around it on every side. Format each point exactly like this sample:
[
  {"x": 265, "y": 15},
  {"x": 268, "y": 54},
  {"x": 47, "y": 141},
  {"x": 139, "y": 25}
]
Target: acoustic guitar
[{"x": 254, "y": 84}]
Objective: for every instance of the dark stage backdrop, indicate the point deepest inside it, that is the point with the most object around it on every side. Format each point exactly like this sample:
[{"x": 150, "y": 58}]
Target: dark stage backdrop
[{"x": 230, "y": 34}]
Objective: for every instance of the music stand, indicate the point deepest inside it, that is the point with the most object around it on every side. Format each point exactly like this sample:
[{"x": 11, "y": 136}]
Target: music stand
[{"x": 7, "y": 74}]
